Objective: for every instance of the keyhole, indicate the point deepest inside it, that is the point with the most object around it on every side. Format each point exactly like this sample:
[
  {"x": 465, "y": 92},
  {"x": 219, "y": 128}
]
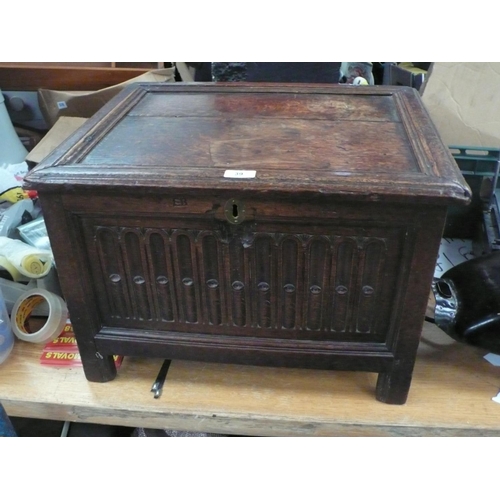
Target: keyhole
[{"x": 234, "y": 210}]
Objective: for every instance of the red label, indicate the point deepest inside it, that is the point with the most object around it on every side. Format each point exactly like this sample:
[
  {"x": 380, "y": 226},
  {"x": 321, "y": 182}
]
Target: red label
[{"x": 63, "y": 350}]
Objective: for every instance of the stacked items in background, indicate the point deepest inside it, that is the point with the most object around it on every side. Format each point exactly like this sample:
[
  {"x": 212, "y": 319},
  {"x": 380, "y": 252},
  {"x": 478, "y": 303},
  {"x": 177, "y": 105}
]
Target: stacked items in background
[
  {"x": 28, "y": 279},
  {"x": 31, "y": 303}
]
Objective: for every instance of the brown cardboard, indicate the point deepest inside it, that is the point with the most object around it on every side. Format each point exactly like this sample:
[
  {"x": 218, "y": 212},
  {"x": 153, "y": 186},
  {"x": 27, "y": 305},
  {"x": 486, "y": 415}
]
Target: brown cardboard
[
  {"x": 54, "y": 104},
  {"x": 463, "y": 99},
  {"x": 61, "y": 130}
]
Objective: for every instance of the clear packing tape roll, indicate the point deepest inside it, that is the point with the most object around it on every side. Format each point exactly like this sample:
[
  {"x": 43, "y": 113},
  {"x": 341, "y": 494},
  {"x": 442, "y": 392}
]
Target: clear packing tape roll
[
  {"x": 23, "y": 309},
  {"x": 24, "y": 259}
]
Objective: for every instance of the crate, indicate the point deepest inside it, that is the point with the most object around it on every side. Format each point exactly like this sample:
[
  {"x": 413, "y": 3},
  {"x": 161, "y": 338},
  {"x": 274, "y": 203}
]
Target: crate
[
  {"x": 479, "y": 166},
  {"x": 488, "y": 236}
]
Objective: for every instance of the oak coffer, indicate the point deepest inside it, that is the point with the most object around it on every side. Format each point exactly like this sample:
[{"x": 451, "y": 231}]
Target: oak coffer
[{"x": 282, "y": 225}]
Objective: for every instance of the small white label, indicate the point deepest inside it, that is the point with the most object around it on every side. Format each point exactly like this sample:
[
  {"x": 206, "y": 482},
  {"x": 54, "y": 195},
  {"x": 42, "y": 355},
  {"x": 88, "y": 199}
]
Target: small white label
[
  {"x": 240, "y": 174},
  {"x": 62, "y": 105}
]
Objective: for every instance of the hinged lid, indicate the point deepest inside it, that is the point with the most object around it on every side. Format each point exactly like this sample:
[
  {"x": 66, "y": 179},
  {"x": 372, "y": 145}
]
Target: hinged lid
[{"x": 374, "y": 143}]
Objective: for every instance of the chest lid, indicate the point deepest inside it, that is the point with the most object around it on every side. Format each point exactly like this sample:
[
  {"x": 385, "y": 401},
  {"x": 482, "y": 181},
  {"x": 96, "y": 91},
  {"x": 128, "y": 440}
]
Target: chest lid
[{"x": 366, "y": 143}]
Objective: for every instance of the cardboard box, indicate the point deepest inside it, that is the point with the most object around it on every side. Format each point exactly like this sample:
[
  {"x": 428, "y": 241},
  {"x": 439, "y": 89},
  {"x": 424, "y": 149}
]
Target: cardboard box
[
  {"x": 62, "y": 129},
  {"x": 463, "y": 100},
  {"x": 54, "y": 104}
]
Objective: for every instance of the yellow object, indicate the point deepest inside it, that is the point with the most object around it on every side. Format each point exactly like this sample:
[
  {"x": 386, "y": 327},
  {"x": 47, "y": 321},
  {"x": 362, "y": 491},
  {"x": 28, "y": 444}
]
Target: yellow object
[
  {"x": 34, "y": 266},
  {"x": 28, "y": 260},
  {"x": 14, "y": 194},
  {"x": 12, "y": 270},
  {"x": 359, "y": 80}
]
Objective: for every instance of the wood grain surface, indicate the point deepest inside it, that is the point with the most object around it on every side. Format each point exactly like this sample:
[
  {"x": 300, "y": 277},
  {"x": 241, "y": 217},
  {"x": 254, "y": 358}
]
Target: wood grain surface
[
  {"x": 450, "y": 396},
  {"x": 15, "y": 76}
]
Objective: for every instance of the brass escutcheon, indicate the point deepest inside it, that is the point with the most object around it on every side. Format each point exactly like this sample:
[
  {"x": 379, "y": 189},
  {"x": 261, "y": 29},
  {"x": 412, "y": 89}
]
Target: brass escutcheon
[{"x": 235, "y": 211}]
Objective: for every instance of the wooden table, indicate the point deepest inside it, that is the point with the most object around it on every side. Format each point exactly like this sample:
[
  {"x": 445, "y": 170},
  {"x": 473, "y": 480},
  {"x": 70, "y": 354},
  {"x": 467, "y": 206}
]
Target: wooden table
[{"x": 450, "y": 396}]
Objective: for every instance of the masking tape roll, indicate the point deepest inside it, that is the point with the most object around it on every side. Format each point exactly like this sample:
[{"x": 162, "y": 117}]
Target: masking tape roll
[
  {"x": 23, "y": 309},
  {"x": 34, "y": 267},
  {"x": 16, "y": 275}
]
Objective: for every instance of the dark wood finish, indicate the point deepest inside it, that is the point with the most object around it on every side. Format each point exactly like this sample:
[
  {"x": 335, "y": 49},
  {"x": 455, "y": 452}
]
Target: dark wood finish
[
  {"x": 34, "y": 77},
  {"x": 323, "y": 260}
]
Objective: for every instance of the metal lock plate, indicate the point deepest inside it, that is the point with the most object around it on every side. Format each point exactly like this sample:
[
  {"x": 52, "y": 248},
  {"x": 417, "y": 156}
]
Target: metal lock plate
[{"x": 235, "y": 211}]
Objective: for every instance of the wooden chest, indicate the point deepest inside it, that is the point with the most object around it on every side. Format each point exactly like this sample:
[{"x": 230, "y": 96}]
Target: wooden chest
[{"x": 282, "y": 225}]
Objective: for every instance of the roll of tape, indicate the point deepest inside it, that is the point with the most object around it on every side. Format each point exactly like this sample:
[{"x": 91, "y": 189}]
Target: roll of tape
[
  {"x": 16, "y": 275},
  {"x": 34, "y": 267},
  {"x": 23, "y": 309}
]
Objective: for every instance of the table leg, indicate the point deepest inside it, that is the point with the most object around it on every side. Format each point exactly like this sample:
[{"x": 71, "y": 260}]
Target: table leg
[
  {"x": 98, "y": 367},
  {"x": 393, "y": 386}
]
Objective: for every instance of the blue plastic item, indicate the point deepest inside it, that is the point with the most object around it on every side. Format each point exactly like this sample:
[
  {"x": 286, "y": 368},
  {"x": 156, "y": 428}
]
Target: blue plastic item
[
  {"x": 6, "y": 429},
  {"x": 6, "y": 334}
]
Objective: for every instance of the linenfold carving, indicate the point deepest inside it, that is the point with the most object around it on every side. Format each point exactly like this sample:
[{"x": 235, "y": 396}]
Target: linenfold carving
[{"x": 250, "y": 280}]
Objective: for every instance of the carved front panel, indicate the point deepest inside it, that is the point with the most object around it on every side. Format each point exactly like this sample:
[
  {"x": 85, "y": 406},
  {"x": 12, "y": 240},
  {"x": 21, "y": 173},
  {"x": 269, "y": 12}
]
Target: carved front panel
[{"x": 336, "y": 285}]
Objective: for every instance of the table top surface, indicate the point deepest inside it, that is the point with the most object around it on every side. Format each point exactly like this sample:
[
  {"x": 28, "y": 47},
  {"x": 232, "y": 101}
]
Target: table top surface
[
  {"x": 451, "y": 395},
  {"x": 293, "y": 138}
]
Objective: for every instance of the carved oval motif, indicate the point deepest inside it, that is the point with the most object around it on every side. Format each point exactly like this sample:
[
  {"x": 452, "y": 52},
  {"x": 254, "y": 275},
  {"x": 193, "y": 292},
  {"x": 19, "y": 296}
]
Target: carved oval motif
[
  {"x": 341, "y": 290},
  {"x": 368, "y": 290},
  {"x": 115, "y": 278},
  {"x": 237, "y": 285},
  {"x": 263, "y": 286},
  {"x": 315, "y": 289},
  {"x": 139, "y": 280},
  {"x": 187, "y": 281},
  {"x": 212, "y": 283},
  {"x": 162, "y": 280},
  {"x": 289, "y": 288}
]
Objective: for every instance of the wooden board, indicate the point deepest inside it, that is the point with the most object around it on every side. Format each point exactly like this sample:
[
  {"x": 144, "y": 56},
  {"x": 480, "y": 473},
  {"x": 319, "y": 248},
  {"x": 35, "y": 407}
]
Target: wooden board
[
  {"x": 31, "y": 77},
  {"x": 450, "y": 396}
]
